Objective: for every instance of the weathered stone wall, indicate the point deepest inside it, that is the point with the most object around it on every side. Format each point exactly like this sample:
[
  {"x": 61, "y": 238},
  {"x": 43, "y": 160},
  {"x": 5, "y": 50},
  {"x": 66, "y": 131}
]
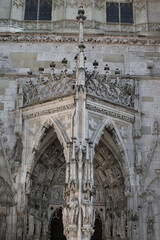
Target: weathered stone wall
[{"x": 146, "y": 17}]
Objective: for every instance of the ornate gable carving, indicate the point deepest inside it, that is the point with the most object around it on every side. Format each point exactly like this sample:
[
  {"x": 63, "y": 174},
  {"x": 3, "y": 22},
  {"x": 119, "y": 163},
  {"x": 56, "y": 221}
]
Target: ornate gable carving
[{"x": 116, "y": 90}]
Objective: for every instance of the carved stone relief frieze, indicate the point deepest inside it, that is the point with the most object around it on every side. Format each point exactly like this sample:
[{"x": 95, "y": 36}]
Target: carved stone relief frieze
[
  {"x": 119, "y": 91},
  {"x": 45, "y": 88},
  {"x": 18, "y": 3},
  {"x": 99, "y": 5},
  {"x": 58, "y": 4},
  {"x": 110, "y": 113},
  {"x": 73, "y": 39},
  {"x": 154, "y": 27},
  {"x": 139, "y": 5},
  {"x": 72, "y": 3}
]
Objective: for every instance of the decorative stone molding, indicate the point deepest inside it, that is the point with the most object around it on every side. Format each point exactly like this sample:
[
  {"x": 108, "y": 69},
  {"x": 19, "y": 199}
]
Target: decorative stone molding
[
  {"x": 58, "y": 4},
  {"x": 73, "y": 39},
  {"x": 47, "y": 111},
  {"x": 113, "y": 89},
  {"x": 110, "y": 113},
  {"x": 18, "y": 3},
  {"x": 47, "y": 88},
  {"x": 139, "y": 5},
  {"x": 99, "y": 5},
  {"x": 154, "y": 27}
]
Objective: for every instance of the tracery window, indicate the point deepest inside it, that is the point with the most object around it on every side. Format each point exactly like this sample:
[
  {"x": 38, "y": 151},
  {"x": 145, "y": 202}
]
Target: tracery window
[
  {"x": 119, "y": 12},
  {"x": 38, "y": 10}
]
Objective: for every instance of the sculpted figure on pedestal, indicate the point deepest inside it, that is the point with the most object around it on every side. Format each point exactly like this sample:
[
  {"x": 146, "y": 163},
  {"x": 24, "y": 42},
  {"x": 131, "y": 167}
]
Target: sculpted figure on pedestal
[
  {"x": 127, "y": 190},
  {"x": 44, "y": 226},
  {"x": 20, "y": 226},
  {"x": 74, "y": 210},
  {"x": 114, "y": 230},
  {"x": 85, "y": 208},
  {"x": 38, "y": 225},
  {"x": 122, "y": 228},
  {"x": 18, "y": 150},
  {"x": 108, "y": 223},
  {"x": 138, "y": 163},
  {"x": 31, "y": 224},
  {"x": 150, "y": 222},
  {"x": 3, "y": 226},
  {"x": 28, "y": 183}
]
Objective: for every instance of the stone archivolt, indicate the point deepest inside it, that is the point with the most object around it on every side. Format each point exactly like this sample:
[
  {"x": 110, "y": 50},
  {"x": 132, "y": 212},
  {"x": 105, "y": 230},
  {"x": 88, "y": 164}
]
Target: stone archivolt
[
  {"x": 110, "y": 199},
  {"x": 44, "y": 185}
]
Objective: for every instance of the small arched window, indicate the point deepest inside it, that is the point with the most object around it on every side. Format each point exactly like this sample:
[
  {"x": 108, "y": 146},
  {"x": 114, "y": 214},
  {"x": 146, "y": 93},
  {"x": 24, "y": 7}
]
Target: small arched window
[
  {"x": 119, "y": 12},
  {"x": 38, "y": 10}
]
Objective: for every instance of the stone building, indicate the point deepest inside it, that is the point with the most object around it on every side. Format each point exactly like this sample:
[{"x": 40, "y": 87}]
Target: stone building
[{"x": 79, "y": 119}]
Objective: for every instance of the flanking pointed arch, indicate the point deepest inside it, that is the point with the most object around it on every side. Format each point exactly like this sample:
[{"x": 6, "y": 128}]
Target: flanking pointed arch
[
  {"x": 45, "y": 124},
  {"x": 112, "y": 179},
  {"x": 109, "y": 123},
  {"x": 45, "y": 182}
]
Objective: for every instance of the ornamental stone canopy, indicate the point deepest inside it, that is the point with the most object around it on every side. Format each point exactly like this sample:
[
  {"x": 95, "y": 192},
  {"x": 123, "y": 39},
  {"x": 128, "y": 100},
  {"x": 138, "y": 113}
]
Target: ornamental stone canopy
[{"x": 116, "y": 88}]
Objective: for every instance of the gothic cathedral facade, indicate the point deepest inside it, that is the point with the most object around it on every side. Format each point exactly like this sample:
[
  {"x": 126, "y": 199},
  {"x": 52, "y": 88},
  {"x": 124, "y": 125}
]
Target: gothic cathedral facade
[{"x": 79, "y": 120}]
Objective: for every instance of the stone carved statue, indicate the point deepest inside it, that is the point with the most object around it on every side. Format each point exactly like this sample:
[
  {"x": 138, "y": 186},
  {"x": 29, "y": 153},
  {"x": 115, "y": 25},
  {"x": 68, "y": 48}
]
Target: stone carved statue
[
  {"x": 3, "y": 226},
  {"x": 138, "y": 162},
  {"x": 20, "y": 226},
  {"x": 150, "y": 222},
  {"x": 108, "y": 223},
  {"x": 18, "y": 150},
  {"x": 114, "y": 225},
  {"x": 86, "y": 209},
  {"x": 38, "y": 225},
  {"x": 127, "y": 190},
  {"x": 28, "y": 183},
  {"x": 31, "y": 221},
  {"x": 65, "y": 216},
  {"x": 135, "y": 231},
  {"x": 74, "y": 210},
  {"x": 44, "y": 226},
  {"x": 122, "y": 227}
]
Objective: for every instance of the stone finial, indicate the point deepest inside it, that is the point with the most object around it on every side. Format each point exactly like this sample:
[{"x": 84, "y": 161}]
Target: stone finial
[
  {"x": 81, "y": 12},
  {"x": 117, "y": 71}
]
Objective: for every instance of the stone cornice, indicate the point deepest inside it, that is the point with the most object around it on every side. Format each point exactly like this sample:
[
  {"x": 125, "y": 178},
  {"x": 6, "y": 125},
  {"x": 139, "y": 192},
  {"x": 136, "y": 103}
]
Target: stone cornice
[
  {"x": 112, "y": 112},
  {"x": 48, "y": 108},
  {"x": 92, "y": 39}
]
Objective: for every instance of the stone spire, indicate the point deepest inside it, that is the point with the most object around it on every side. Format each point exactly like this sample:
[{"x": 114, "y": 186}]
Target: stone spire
[{"x": 81, "y": 58}]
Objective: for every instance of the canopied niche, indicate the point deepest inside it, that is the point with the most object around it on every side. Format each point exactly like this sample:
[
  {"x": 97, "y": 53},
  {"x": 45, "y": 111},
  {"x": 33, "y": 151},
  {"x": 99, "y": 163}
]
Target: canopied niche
[
  {"x": 109, "y": 179},
  {"x": 46, "y": 185}
]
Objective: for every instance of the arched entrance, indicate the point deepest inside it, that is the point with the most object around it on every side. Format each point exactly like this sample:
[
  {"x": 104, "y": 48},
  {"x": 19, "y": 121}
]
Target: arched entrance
[
  {"x": 46, "y": 190},
  {"x": 97, "y": 229},
  {"x": 109, "y": 179},
  {"x": 56, "y": 226}
]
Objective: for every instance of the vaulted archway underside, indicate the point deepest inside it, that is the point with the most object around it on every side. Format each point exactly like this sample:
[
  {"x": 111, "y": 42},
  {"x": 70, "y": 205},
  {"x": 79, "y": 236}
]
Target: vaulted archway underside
[
  {"x": 47, "y": 184},
  {"x": 110, "y": 201}
]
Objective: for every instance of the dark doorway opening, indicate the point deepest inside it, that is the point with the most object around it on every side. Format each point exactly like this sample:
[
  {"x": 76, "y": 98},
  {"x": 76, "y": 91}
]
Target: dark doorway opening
[
  {"x": 57, "y": 226},
  {"x": 97, "y": 230}
]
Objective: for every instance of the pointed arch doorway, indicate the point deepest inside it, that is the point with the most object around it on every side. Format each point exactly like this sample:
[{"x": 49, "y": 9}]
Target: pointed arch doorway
[
  {"x": 46, "y": 189},
  {"x": 56, "y": 226},
  {"x": 109, "y": 179},
  {"x": 98, "y": 235}
]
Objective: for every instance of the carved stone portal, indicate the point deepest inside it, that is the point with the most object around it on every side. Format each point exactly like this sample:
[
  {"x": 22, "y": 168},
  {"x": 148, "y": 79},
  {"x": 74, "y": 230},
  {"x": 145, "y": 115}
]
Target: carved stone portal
[{"x": 45, "y": 187}]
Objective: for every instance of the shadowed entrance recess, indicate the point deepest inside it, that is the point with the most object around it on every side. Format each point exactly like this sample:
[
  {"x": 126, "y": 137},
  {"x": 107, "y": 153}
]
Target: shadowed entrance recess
[{"x": 57, "y": 226}]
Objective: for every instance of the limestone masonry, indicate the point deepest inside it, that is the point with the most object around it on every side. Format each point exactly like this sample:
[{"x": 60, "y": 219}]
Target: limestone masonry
[{"x": 79, "y": 120}]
